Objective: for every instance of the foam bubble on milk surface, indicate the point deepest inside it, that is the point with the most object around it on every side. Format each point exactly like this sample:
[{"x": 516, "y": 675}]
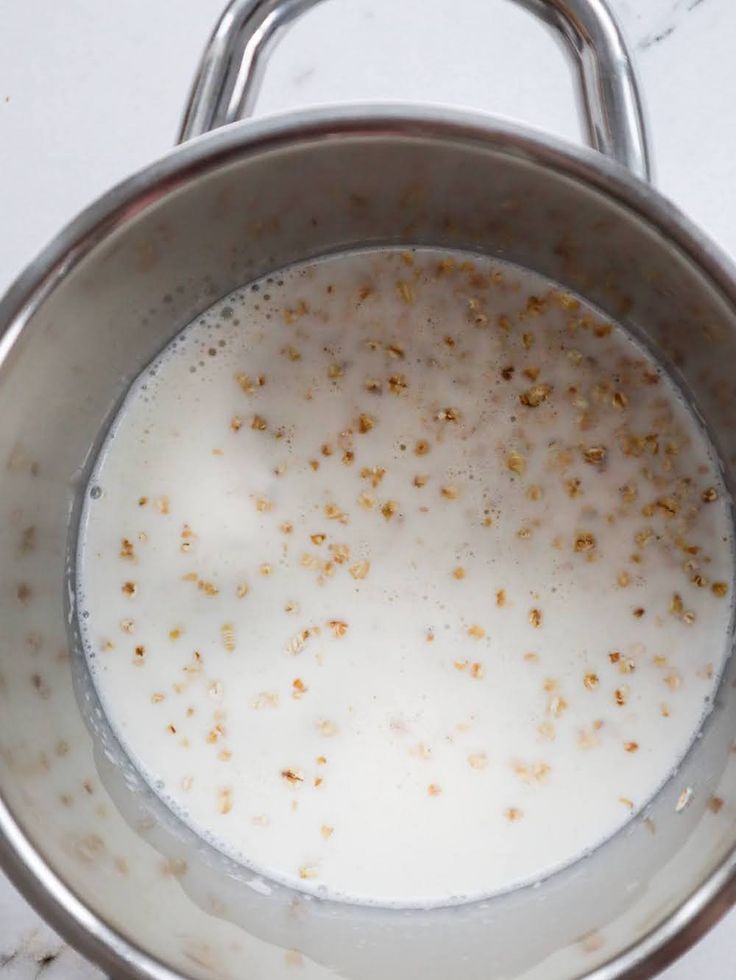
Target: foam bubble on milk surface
[{"x": 409, "y": 578}]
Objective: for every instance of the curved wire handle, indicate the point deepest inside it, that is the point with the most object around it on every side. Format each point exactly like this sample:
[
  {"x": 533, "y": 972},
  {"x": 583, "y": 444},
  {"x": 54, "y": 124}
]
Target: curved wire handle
[{"x": 229, "y": 75}]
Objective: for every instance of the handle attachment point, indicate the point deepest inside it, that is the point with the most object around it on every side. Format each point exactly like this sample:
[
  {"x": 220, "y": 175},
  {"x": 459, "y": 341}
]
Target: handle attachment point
[{"x": 229, "y": 75}]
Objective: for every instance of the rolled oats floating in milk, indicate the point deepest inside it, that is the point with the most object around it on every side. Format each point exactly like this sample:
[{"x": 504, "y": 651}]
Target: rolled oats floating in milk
[{"x": 420, "y": 548}]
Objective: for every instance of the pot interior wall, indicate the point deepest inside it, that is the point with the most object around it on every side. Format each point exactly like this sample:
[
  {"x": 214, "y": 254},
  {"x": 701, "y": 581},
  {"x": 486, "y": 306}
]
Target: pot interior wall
[{"x": 170, "y": 252}]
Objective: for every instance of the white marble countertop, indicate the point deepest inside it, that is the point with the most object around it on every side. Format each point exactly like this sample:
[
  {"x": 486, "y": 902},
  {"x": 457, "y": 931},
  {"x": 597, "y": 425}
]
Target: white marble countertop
[{"x": 91, "y": 91}]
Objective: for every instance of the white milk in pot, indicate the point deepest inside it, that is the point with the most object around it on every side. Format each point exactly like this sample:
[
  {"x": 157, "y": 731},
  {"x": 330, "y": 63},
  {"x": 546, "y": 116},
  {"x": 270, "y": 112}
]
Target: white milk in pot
[{"x": 406, "y": 577}]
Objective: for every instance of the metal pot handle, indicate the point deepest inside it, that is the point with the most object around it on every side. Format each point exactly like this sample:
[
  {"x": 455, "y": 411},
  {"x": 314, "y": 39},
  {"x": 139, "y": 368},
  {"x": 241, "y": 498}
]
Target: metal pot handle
[{"x": 229, "y": 75}]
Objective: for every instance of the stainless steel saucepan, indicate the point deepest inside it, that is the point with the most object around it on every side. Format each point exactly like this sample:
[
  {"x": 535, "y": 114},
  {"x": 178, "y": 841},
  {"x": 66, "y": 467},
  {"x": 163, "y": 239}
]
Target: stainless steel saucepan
[{"x": 79, "y": 834}]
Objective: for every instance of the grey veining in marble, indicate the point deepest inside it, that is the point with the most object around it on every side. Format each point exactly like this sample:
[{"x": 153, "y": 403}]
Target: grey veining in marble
[{"x": 29, "y": 949}]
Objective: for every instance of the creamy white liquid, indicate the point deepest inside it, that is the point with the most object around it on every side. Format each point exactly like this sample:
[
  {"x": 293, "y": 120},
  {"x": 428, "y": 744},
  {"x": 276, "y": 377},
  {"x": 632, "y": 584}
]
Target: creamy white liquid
[{"x": 406, "y": 577}]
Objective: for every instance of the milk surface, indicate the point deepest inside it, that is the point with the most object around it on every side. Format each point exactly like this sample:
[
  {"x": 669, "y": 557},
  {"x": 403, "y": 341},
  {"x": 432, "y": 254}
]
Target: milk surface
[{"x": 405, "y": 577}]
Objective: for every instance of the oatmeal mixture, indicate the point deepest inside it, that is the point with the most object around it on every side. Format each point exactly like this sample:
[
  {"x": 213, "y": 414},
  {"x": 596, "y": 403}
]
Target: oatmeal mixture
[{"x": 405, "y": 577}]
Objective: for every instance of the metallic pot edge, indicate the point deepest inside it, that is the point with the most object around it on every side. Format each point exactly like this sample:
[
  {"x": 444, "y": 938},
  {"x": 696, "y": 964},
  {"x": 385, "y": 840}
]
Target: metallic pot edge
[{"x": 39, "y": 884}]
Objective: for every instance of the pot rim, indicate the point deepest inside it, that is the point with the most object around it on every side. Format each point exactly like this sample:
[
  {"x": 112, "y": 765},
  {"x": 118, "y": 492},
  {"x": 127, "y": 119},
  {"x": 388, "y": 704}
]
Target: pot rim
[{"x": 19, "y": 858}]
